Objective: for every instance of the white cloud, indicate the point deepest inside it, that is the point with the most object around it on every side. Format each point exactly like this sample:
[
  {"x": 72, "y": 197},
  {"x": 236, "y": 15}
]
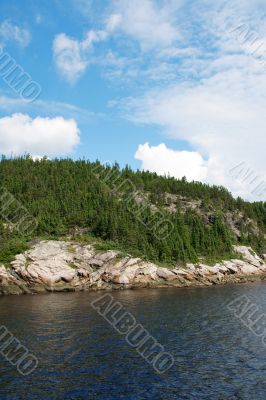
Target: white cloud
[
  {"x": 222, "y": 117},
  {"x": 71, "y": 56},
  {"x": 84, "y": 6},
  {"x": 113, "y": 22},
  {"x": 19, "y": 134},
  {"x": 166, "y": 161},
  {"x": 143, "y": 20},
  {"x": 38, "y": 158},
  {"x": 68, "y": 56},
  {"x": 11, "y": 32},
  {"x": 52, "y": 108}
]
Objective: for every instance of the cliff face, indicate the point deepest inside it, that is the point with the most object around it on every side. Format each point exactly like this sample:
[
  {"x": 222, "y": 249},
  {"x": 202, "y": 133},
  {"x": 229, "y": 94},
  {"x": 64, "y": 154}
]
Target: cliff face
[{"x": 69, "y": 266}]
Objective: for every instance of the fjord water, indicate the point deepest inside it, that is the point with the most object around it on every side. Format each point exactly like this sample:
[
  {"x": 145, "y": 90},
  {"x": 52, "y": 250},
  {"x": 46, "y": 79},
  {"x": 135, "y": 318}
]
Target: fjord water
[{"x": 82, "y": 357}]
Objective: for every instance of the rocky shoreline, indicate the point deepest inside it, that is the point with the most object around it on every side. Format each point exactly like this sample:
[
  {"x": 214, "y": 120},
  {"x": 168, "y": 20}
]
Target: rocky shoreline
[{"x": 57, "y": 266}]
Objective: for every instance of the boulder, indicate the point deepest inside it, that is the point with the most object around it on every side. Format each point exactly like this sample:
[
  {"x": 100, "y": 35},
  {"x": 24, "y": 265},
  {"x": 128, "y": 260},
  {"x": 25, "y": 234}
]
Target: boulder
[
  {"x": 249, "y": 269},
  {"x": 165, "y": 274},
  {"x": 231, "y": 267},
  {"x": 249, "y": 255}
]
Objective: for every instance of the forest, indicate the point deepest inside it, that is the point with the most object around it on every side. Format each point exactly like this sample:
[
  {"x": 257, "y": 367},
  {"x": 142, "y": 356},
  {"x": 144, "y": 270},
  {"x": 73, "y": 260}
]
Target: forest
[{"x": 123, "y": 209}]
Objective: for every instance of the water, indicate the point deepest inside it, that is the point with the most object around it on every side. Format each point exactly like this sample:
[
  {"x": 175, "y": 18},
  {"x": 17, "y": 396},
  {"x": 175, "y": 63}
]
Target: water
[{"x": 82, "y": 357}]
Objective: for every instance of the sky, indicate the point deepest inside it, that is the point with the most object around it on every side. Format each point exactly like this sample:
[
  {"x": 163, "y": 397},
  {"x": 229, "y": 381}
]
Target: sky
[{"x": 171, "y": 86}]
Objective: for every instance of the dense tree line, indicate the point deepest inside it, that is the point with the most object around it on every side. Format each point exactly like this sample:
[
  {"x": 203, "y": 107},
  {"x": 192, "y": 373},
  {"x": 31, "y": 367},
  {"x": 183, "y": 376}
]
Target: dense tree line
[{"x": 103, "y": 201}]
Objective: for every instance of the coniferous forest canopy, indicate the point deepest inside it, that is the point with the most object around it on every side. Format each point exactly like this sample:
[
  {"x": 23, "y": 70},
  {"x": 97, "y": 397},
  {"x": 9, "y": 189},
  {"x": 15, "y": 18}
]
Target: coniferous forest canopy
[{"x": 78, "y": 196}]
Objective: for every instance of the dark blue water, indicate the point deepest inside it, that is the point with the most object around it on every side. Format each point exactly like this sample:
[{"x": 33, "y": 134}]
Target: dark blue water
[{"x": 82, "y": 357}]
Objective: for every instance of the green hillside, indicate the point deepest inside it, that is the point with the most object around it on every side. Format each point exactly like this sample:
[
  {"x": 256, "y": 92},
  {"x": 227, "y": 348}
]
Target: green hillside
[{"x": 159, "y": 218}]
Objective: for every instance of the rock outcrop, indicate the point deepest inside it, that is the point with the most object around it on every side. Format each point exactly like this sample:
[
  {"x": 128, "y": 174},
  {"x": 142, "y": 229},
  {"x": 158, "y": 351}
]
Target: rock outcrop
[{"x": 70, "y": 266}]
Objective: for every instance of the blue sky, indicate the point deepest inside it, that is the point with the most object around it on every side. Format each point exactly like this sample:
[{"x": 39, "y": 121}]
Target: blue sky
[
  {"x": 172, "y": 86},
  {"x": 105, "y": 133}
]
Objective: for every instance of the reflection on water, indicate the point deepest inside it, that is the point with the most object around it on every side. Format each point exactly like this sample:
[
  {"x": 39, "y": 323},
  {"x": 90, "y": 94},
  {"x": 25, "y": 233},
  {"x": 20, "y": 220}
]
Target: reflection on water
[{"x": 82, "y": 357}]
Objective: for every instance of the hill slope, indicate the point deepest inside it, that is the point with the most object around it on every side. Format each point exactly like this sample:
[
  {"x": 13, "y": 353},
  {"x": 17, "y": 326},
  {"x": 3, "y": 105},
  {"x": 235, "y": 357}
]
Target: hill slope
[{"x": 158, "y": 218}]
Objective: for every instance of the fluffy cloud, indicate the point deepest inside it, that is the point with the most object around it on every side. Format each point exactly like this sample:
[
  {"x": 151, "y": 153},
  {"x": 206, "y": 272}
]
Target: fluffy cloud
[
  {"x": 10, "y": 32},
  {"x": 68, "y": 57},
  {"x": 222, "y": 117},
  {"x": 71, "y": 56},
  {"x": 113, "y": 22},
  {"x": 144, "y": 21},
  {"x": 165, "y": 161},
  {"x": 19, "y": 134}
]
